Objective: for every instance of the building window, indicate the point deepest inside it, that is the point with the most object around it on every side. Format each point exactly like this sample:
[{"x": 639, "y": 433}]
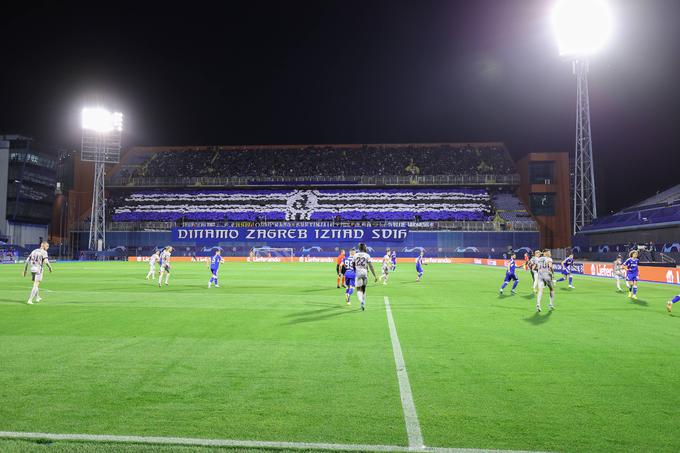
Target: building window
[
  {"x": 542, "y": 204},
  {"x": 542, "y": 172}
]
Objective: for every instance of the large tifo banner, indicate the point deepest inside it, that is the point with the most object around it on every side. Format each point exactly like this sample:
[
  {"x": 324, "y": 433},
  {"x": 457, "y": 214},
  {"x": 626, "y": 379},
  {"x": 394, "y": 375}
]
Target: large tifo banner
[{"x": 289, "y": 234}]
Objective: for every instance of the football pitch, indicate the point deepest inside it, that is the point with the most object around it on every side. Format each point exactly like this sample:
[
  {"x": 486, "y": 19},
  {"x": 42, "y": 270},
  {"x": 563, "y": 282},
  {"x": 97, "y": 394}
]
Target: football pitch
[{"x": 275, "y": 355}]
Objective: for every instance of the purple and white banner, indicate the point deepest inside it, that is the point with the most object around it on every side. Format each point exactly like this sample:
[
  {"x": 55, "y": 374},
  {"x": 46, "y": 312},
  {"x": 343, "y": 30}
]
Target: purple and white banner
[{"x": 321, "y": 204}]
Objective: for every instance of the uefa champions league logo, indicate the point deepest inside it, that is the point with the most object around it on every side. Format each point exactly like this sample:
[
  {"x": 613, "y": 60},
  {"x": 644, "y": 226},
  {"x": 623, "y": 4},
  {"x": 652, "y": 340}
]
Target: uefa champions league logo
[{"x": 301, "y": 205}]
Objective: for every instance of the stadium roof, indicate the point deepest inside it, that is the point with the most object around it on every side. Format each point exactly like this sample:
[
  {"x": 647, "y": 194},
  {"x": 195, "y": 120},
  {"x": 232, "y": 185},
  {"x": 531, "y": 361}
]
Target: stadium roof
[{"x": 667, "y": 197}]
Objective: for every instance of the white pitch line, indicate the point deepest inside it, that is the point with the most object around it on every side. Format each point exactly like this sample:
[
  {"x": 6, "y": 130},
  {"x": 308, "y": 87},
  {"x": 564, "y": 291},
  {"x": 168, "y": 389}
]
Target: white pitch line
[
  {"x": 415, "y": 436},
  {"x": 234, "y": 443},
  {"x": 200, "y": 442}
]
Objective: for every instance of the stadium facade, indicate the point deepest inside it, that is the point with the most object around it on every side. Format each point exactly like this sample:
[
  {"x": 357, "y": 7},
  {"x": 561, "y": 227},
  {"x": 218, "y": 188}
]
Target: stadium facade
[
  {"x": 28, "y": 182},
  {"x": 544, "y": 189}
]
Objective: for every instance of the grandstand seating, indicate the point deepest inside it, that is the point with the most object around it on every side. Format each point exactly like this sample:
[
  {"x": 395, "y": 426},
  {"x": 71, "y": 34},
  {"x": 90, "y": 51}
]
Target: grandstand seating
[
  {"x": 652, "y": 216},
  {"x": 199, "y": 177},
  {"x": 316, "y": 205},
  {"x": 510, "y": 208},
  {"x": 330, "y": 161},
  {"x": 663, "y": 208}
]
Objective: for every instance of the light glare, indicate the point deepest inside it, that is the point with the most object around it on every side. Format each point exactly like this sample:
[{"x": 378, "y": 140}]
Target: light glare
[
  {"x": 101, "y": 120},
  {"x": 582, "y": 27}
]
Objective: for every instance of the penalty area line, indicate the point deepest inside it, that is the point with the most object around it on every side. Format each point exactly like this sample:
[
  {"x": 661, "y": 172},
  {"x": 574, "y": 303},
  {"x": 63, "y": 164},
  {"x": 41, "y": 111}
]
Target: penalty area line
[{"x": 106, "y": 438}]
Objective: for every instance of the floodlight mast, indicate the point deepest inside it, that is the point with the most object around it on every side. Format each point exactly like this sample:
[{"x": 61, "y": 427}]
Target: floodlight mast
[
  {"x": 582, "y": 28},
  {"x": 101, "y": 144},
  {"x": 585, "y": 200}
]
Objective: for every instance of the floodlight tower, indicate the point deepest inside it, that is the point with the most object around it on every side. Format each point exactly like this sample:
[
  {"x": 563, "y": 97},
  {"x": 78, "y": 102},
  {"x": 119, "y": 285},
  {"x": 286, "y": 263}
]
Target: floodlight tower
[
  {"x": 102, "y": 134},
  {"x": 582, "y": 27}
]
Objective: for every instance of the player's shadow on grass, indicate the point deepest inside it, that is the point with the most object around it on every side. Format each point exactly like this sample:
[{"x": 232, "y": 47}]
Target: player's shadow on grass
[
  {"x": 510, "y": 307},
  {"x": 537, "y": 319},
  {"x": 316, "y": 290},
  {"x": 320, "y": 315},
  {"x": 13, "y": 301},
  {"x": 311, "y": 312},
  {"x": 642, "y": 303},
  {"x": 509, "y": 296}
]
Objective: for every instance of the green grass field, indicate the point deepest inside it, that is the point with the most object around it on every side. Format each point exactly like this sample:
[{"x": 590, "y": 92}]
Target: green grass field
[{"x": 276, "y": 355}]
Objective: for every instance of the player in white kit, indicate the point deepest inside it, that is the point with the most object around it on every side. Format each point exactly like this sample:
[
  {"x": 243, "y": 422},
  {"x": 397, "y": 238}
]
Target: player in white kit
[
  {"x": 545, "y": 278},
  {"x": 153, "y": 259},
  {"x": 386, "y": 265},
  {"x": 362, "y": 263},
  {"x": 619, "y": 273},
  {"x": 37, "y": 260},
  {"x": 165, "y": 265},
  {"x": 533, "y": 268}
]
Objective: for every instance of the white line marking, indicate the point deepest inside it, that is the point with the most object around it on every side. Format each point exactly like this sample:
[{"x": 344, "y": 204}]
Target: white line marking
[
  {"x": 234, "y": 443},
  {"x": 415, "y": 436}
]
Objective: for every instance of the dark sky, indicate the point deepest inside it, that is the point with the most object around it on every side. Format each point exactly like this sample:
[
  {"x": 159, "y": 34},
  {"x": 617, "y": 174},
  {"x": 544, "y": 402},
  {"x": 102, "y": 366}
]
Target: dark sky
[{"x": 256, "y": 72}]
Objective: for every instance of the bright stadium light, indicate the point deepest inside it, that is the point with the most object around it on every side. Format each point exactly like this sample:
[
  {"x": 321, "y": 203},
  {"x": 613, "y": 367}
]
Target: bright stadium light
[
  {"x": 582, "y": 27},
  {"x": 101, "y": 144},
  {"x": 101, "y": 120}
]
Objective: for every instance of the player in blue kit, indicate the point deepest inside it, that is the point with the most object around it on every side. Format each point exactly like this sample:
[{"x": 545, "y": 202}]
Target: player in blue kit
[
  {"x": 394, "y": 260},
  {"x": 215, "y": 262},
  {"x": 632, "y": 272},
  {"x": 419, "y": 266},
  {"x": 510, "y": 275},
  {"x": 350, "y": 275},
  {"x": 669, "y": 304},
  {"x": 566, "y": 269}
]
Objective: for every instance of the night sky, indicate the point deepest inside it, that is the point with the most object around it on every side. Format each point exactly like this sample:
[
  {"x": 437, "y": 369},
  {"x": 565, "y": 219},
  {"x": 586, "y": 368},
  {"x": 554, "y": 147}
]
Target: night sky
[{"x": 257, "y": 72}]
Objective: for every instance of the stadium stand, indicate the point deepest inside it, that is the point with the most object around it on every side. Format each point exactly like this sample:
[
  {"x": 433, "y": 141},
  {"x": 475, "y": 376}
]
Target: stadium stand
[
  {"x": 663, "y": 208},
  {"x": 317, "y": 162},
  {"x": 475, "y": 184},
  {"x": 653, "y": 225},
  {"x": 510, "y": 208},
  {"x": 455, "y": 209},
  {"x": 454, "y": 199}
]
